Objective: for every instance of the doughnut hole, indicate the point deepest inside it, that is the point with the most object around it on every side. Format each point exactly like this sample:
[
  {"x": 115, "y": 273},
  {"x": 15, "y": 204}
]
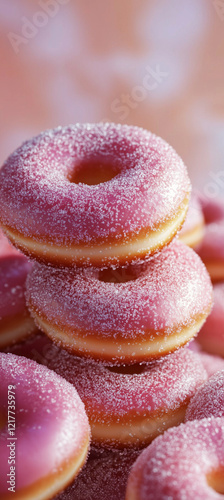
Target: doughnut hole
[
  {"x": 94, "y": 172},
  {"x": 127, "y": 370},
  {"x": 121, "y": 275},
  {"x": 216, "y": 480}
]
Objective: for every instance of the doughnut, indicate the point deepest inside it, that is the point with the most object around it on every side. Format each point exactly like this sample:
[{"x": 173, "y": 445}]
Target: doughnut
[
  {"x": 123, "y": 316},
  {"x": 213, "y": 209},
  {"x": 192, "y": 231},
  {"x": 212, "y": 364},
  {"x": 208, "y": 400},
  {"x": 93, "y": 194},
  {"x": 211, "y": 250},
  {"x": 103, "y": 477},
  {"x": 211, "y": 336},
  {"x": 51, "y": 434},
  {"x": 186, "y": 463},
  {"x": 128, "y": 406},
  {"x": 15, "y": 320}
]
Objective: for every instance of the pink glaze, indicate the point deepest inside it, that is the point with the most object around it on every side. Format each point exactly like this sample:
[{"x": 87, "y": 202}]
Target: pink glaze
[
  {"x": 51, "y": 423},
  {"x": 104, "y": 477},
  {"x": 163, "y": 295},
  {"x": 212, "y": 364},
  {"x": 38, "y": 200},
  {"x": 194, "y": 217},
  {"x": 213, "y": 209},
  {"x": 14, "y": 268},
  {"x": 208, "y": 400},
  {"x": 211, "y": 250},
  {"x": 112, "y": 396},
  {"x": 176, "y": 465},
  {"x": 211, "y": 336}
]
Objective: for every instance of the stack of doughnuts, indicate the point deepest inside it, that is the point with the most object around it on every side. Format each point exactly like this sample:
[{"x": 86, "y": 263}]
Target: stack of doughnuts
[
  {"x": 97, "y": 208},
  {"x": 211, "y": 251}
]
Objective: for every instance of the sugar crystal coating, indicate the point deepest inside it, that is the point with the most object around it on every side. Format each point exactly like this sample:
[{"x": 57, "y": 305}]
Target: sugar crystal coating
[
  {"x": 51, "y": 423},
  {"x": 109, "y": 396},
  {"x": 38, "y": 199},
  {"x": 170, "y": 291},
  {"x": 176, "y": 465},
  {"x": 208, "y": 400}
]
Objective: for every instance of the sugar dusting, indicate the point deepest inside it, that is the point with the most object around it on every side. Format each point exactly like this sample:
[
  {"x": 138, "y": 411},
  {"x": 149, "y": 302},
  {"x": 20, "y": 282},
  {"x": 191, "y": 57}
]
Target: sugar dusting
[
  {"x": 169, "y": 293},
  {"x": 163, "y": 385},
  {"x": 176, "y": 464},
  {"x": 209, "y": 399},
  {"x": 38, "y": 200},
  {"x": 50, "y": 418}
]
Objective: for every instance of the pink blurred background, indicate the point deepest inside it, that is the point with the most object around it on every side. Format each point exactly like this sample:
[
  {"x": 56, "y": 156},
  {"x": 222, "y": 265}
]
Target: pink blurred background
[{"x": 153, "y": 63}]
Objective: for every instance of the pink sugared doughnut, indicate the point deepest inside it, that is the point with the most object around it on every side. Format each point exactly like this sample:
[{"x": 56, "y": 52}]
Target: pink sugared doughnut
[
  {"x": 213, "y": 209},
  {"x": 211, "y": 250},
  {"x": 93, "y": 194},
  {"x": 123, "y": 316},
  {"x": 186, "y": 463},
  {"x": 48, "y": 436},
  {"x": 208, "y": 400},
  {"x": 211, "y": 336},
  {"x": 104, "y": 477},
  {"x": 15, "y": 320},
  {"x": 212, "y": 364},
  {"x": 129, "y": 406},
  {"x": 192, "y": 231}
]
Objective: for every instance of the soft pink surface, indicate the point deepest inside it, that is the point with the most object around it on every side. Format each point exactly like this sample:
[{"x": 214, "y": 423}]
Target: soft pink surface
[
  {"x": 163, "y": 385},
  {"x": 169, "y": 292},
  {"x": 104, "y": 477},
  {"x": 194, "y": 217},
  {"x": 208, "y": 400},
  {"x": 51, "y": 423},
  {"x": 212, "y": 247},
  {"x": 14, "y": 268},
  {"x": 38, "y": 200},
  {"x": 212, "y": 332},
  {"x": 212, "y": 364},
  {"x": 176, "y": 464}
]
